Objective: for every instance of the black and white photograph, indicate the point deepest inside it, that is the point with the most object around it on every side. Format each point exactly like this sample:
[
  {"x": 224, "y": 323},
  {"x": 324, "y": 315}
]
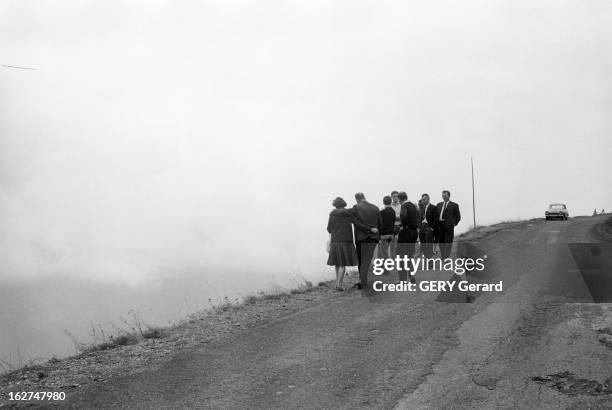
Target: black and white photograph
[{"x": 306, "y": 204}]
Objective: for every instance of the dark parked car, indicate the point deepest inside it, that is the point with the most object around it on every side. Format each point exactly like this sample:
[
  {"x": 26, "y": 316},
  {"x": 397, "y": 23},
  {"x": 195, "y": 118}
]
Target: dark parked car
[{"x": 556, "y": 211}]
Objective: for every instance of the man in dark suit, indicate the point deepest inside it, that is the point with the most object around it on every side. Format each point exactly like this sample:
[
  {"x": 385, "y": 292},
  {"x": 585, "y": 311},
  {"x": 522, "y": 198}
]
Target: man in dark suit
[
  {"x": 448, "y": 217},
  {"x": 387, "y": 215},
  {"x": 367, "y": 227},
  {"x": 408, "y": 232},
  {"x": 428, "y": 218}
]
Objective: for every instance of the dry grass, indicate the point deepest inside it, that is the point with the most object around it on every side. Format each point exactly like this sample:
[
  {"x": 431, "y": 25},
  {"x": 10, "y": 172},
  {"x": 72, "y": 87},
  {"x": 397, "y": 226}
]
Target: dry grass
[
  {"x": 112, "y": 342},
  {"x": 134, "y": 330},
  {"x": 278, "y": 293},
  {"x": 153, "y": 333},
  {"x": 6, "y": 366},
  {"x": 604, "y": 230}
]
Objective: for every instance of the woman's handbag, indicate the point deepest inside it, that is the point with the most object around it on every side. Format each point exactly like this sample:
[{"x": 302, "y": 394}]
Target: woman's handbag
[{"x": 328, "y": 246}]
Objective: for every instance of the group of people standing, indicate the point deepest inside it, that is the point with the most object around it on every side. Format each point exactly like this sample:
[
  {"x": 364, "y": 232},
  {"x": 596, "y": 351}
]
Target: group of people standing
[{"x": 393, "y": 230}]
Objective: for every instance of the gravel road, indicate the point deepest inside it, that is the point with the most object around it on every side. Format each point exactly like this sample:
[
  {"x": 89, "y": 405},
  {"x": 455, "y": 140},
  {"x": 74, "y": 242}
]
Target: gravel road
[{"x": 415, "y": 351}]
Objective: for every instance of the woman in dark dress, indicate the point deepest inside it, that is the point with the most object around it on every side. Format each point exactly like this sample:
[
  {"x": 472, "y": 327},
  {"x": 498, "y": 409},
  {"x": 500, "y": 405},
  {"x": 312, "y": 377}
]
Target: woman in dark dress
[{"x": 341, "y": 250}]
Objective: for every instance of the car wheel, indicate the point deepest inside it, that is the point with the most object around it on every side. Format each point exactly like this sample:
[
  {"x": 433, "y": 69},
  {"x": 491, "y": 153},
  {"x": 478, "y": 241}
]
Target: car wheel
[{"x": 547, "y": 218}]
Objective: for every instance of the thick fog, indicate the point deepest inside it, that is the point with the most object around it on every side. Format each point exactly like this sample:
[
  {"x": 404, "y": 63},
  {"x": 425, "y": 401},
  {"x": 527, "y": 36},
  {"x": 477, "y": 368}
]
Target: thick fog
[{"x": 158, "y": 138}]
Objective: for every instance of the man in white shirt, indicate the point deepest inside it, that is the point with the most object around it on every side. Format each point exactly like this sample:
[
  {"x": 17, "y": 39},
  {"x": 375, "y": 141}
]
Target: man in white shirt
[
  {"x": 427, "y": 224},
  {"x": 448, "y": 217}
]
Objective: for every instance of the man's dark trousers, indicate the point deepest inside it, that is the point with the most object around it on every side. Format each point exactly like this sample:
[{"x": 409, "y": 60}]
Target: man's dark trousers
[
  {"x": 365, "y": 253},
  {"x": 446, "y": 234},
  {"x": 427, "y": 239},
  {"x": 406, "y": 244}
]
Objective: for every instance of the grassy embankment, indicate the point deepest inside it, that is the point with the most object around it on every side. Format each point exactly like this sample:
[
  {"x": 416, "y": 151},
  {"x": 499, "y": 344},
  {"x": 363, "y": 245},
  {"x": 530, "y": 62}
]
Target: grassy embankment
[{"x": 136, "y": 330}]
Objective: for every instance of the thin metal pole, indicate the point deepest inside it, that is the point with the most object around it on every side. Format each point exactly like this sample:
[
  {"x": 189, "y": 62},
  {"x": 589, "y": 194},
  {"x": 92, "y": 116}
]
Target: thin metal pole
[{"x": 473, "y": 196}]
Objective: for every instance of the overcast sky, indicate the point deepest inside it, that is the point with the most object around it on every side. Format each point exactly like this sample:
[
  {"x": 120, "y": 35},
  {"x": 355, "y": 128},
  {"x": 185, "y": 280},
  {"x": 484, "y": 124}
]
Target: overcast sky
[{"x": 215, "y": 134}]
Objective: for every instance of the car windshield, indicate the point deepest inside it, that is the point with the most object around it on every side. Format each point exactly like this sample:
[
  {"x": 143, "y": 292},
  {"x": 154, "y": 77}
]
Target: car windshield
[{"x": 557, "y": 206}]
